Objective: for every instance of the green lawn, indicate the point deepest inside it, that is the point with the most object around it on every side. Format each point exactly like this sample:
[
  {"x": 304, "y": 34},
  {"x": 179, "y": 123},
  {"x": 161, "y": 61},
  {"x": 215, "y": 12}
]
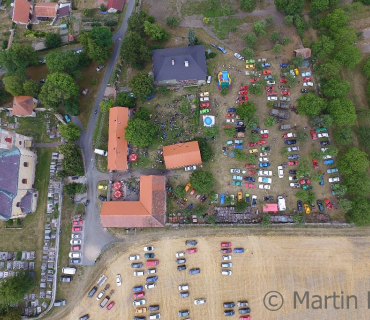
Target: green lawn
[{"x": 100, "y": 140}]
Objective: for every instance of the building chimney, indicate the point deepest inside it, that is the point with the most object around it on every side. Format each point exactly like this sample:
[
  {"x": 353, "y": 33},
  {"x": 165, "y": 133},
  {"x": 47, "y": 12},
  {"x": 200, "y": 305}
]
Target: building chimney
[
  {"x": 173, "y": 62},
  {"x": 186, "y": 63}
]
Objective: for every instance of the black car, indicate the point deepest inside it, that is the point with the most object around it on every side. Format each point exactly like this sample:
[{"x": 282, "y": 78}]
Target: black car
[
  {"x": 66, "y": 278},
  {"x": 154, "y": 308},
  {"x": 74, "y": 177},
  {"x": 191, "y": 242},
  {"x": 136, "y": 265},
  {"x": 229, "y": 312},
  {"x": 289, "y": 142},
  {"x": 299, "y": 205},
  {"x": 292, "y": 171},
  {"x": 181, "y": 268},
  {"x": 320, "y": 205},
  {"x": 184, "y": 294},
  {"x": 102, "y": 198},
  {"x": 85, "y": 317},
  {"x": 244, "y": 311},
  {"x": 293, "y": 156},
  {"x": 229, "y": 304},
  {"x": 208, "y": 139},
  {"x": 139, "y": 318},
  {"x": 86, "y": 203},
  {"x": 74, "y": 261},
  {"x": 324, "y": 143},
  {"x": 92, "y": 292},
  {"x": 269, "y": 198},
  {"x": 266, "y": 148},
  {"x": 203, "y": 198},
  {"x": 254, "y": 202},
  {"x": 304, "y": 91}
]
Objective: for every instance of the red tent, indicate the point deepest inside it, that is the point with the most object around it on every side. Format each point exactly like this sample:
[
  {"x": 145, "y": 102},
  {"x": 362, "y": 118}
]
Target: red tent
[
  {"x": 117, "y": 194},
  {"x": 270, "y": 207},
  {"x": 133, "y": 157},
  {"x": 117, "y": 185}
]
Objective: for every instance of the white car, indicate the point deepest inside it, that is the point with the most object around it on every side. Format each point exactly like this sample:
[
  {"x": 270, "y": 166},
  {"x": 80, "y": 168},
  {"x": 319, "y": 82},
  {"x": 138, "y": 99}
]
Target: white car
[
  {"x": 324, "y": 149},
  {"x": 204, "y": 94},
  {"x": 227, "y": 265},
  {"x": 238, "y": 56},
  {"x": 183, "y": 287},
  {"x": 269, "y": 83},
  {"x": 118, "y": 280},
  {"x": 290, "y": 149},
  {"x": 230, "y": 120},
  {"x": 154, "y": 316},
  {"x": 74, "y": 255},
  {"x": 75, "y": 241},
  {"x": 263, "y": 159},
  {"x": 226, "y": 258},
  {"x": 308, "y": 84},
  {"x": 139, "y": 302},
  {"x": 327, "y": 157},
  {"x": 280, "y": 172},
  {"x": 78, "y": 51},
  {"x": 263, "y": 154},
  {"x": 209, "y": 79},
  {"x": 139, "y": 273},
  {"x": 190, "y": 168},
  {"x": 204, "y": 99},
  {"x": 264, "y": 131},
  {"x": 150, "y": 286},
  {"x": 100, "y": 295},
  {"x": 76, "y": 235},
  {"x": 226, "y": 272},
  {"x": 149, "y": 248},
  {"x": 235, "y": 170},
  {"x": 100, "y": 67},
  {"x": 180, "y": 254},
  {"x": 264, "y": 186},
  {"x": 264, "y": 173},
  {"x": 290, "y": 135},
  {"x": 294, "y": 184},
  {"x": 199, "y": 301},
  {"x": 134, "y": 257},
  {"x": 335, "y": 179},
  {"x": 152, "y": 271},
  {"x": 323, "y": 135},
  {"x": 272, "y": 98}
]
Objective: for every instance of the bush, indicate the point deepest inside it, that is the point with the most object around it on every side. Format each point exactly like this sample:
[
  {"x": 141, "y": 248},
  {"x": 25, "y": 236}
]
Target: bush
[
  {"x": 5, "y": 44},
  {"x": 103, "y": 7},
  {"x": 285, "y": 41},
  {"x": 288, "y": 20},
  {"x": 18, "y": 223},
  {"x": 269, "y": 122},
  {"x": 240, "y": 206},
  {"x": 224, "y": 91},
  {"x": 88, "y": 12},
  {"x": 172, "y": 21},
  {"x": 111, "y": 23},
  {"x": 277, "y": 48},
  {"x": 9, "y": 223},
  {"x": 239, "y": 154}
]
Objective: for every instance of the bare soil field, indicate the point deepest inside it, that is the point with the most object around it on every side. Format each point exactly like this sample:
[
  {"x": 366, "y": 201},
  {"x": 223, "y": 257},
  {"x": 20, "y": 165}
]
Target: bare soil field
[{"x": 320, "y": 265}]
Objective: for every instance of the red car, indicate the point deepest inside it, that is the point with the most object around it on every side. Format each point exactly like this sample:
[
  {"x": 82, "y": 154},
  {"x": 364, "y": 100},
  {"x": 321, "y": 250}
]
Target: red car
[
  {"x": 282, "y": 80},
  {"x": 243, "y": 92},
  {"x": 243, "y": 88},
  {"x": 292, "y": 163},
  {"x": 226, "y": 250},
  {"x": 76, "y": 248},
  {"x": 267, "y": 72},
  {"x": 269, "y": 88},
  {"x": 192, "y": 192},
  {"x": 76, "y": 229},
  {"x": 306, "y": 79},
  {"x": 139, "y": 294},
  {"x": 265, "y": 135},
  {"x": 191, "y": 250},
  {"x": 226, "y": 244},
  {"x": 77, "y": 223},
  {"x": 251, "y": 172},
  {"x": 328, "y": 204},
  {"x": 259, "y": 142},
  {"x": 250, "y": 165},
  {"x": 245, "y": 318},
  {"x": 249, "y": 185},
  {"x": 229, "y": 115},
  {"x": 272, "y": 93},
  {"x": 285, "y": 93},
  {"x": 204, "y": 105},
  {"x": 313, "y": 134},
  {"x": 304, "y": 181},
  {"x": 315, "y": 164},
  {"x": 110, "y": 306},
  {"x": 255, "y": 80},
  {"x": 252, "y": 144}
]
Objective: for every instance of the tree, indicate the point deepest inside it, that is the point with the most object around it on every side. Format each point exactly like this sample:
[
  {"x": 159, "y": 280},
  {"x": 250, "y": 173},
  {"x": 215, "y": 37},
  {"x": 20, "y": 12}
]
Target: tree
[
  {"x": 259, "y": 27},
  {"x": 72, "y": 162},
  {"x": 285, "y": 41},
  {"x": 12, "y": 289},
  {"x": 103, "y": 7},
  {"x": 366, "y": 68},
  {"x": 331, "y": 151},
  {"x": 316, "y": 154},
  {"x": 297, "y": 61},
  {"x": 172, "y": 21},
  {"x": 354, "y": 160},
  {"x": 254, "y": 137},
  {"x": 125, "y": 99},
  {"x": 202, "y": 181},
  {"x": 329, "y": 68},
  {"x": 288, "y": 20},
  {"x": 319, "y": 5},
  {"x": 60, "y": 90},
  {"x": 143, "y": 114},
  {"x": 3, "y": 95},
  {"x": 290, "y": 7},
  {"x": 339, "y": 189},
  {"x": 239, "y": 154},
  {"x": 31, "y": 88},
  {"x": 142, "y": 85},
  {"x": 304, "y": 168},
  {"x": 348, "y": 55},
  {"x": 155, "y": 32},
  {"x": 192, "y": 39},
  {"x": 135, "y": 51},
  {"x": 275, "y": 36},
  {"x": 310, "y": 104},
  {"x": 140, "y": 133},
  {"x": 251, "y": 122},
  {"x": 205, "y": 151},
  {"x": 247, "y": 5},
  {"x": 251, "y": 38},
  {"x": 360, "y": 212},
  {"x": 277, "y": 48},
  {"x": 291, "y": 80},
  {"x": 302, "y": 136},
  {"x": 96, "y": 43},
  {"x": 343, "y": 136},
  {"x": 210, "y": 132},
  {"x": 11, "y": 314},
  {"x": 229, "y": 131},
  {"x": 269, "y": 122},
  {"x": 358, "y": 184},
  {"x": 200, "y": 210},
  {"x": 248, "y": 53},
  {"x": 246, "y": 110},
  {"x": 345, "y": 204},
  {"x": 67, "y": 62},
  {"x": 336, "y": 88},
  {"x": 324, "y": 120},
  {"x": 241, "y": 206},
  {"x": 136, "y": 22},
  {"x": 179, "y": 191},
  {"x": 70, "y": 131},
  {"x": 346, "y": 35},
  {"x": 364, "y": 136},
  {"x": 343, "y": 111},
  {"x": 73, "y": 188},
  {"x": 13, "y": 85},
  {"x": 323, "y": 47},
  {"x": 251, "y": 159},
  {"x": 307, "y": 197},
  {"x": 53, "y": 40},
  {"x": 335, "y": 20}
]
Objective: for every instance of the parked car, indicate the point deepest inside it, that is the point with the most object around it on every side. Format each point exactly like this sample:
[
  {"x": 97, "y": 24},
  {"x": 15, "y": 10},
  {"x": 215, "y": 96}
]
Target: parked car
[
  {"x": 137, "y": 288},
  {"x": 229, "y": 313},
  {"x": 299, "y": 206},
  {"x": 332, "y": 170},
  {"x": 139, "y": 302},
  {"x": 149, "y": 255},
  {"x": 184, "y": 313},
  {"x": 289, "y": 142},
  {"x": 100, "y": 67},
  {"x": 226, "y": 272},
  {"x": 136, "y": 265},
  {"x": 244, "y": 311},
  {"x": 226, "y": 258},
  {"x": 199, "y": 301},
  {"x": 229, "y": 304},
  {"x": 320, "y": 205},
  {"x": 118, "y": 280},
  {"x": 226, "y": 265},
  {"x": 238, "y": 250},
  {"x": 329, "y": 161},
  {"x": 194, "y": 271},
  {"x": 134, "y": 257},
  {"x": 223, "y": 50},
  {"x": 148, "y": 248},
  {"x": 334, "y": 179}
]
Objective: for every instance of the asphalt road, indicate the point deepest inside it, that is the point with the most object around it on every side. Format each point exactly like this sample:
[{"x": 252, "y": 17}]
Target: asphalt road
[{"x": 95, "y": 236}]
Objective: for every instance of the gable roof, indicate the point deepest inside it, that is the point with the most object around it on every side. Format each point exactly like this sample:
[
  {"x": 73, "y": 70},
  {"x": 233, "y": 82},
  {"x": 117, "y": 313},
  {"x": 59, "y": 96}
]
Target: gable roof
[
  {"x": 117, "y": 145},
  {"x": 115, "y": 4},
  {"x": 46, "y": 9},
  {"x": 148, "y": 212},
  {"x": 64, "y": 10},
  {"x": 22, "y": 106},
  {"x": 182, "y": 154},
  {"x": 21, "y": 11},
  {"x": 170, "y": 63},
  {"x": 305, "y": 53}
]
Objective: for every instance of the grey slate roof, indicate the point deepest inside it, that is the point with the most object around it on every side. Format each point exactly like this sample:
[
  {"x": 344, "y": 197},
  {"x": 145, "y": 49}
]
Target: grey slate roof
[
  {"x": 164, "y": 70},
  {"x": 26, "y": 202}
]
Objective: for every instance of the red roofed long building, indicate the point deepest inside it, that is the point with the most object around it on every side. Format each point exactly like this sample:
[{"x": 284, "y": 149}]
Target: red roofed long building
[
  {"x": 115, "y": 5},
  {"x": 22, "y": 12},
  {"x": 181, "y": 155},
  {"x": 148, "y": 212}
]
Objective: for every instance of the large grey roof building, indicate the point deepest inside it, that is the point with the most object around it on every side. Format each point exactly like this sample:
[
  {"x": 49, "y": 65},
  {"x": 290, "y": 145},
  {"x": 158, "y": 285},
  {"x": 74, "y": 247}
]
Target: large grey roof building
[{"x": 181, "y": 65}]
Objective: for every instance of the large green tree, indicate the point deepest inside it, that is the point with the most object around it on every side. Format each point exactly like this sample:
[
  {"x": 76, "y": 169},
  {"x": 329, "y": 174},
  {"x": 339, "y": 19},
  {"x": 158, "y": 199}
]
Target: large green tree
[
  {"x": 96, "y": 43},
  {"x": 134, "y": 50},
  {"x": 11, "y": 314},
  {"x": 136, "y": 22},
  {"x": 72, "y": 162},
  {"x": 140, "y": 133},
  {"x": 335, "y": 88},
  {"x": 125, "y": 99},
  {"x": 155, "y": 32},
  {"x": 360, "y": 212},
  {"x": 67, "y": 62},
  {"x": 329, "y": 68},
  {"x": 142, "y": 85},
  {"x": 205, "y": 151},
  {"x": 319, "y": 5},
  {"x": 366, "y": 68},
  {"x": 348, "y": 55},
  {"x": 335, "y": 20},
  {"x": 202, "y": 181},
  {"x": 346, "y": 35},
  {"x": 310, "y": 104},
  {"x": 323, "y": 47},
  {"x": 343, "y": 136},
  {"x": 53, "y": 40},
  {"x": 246, "y": 110},
  {"x": 13, "y": 85},
  {"x": 60, "y": 90},
  {"x": 290, "y": 7},
  {"x": 70, "y": 131},
  {"x": 31, "y": 88},
  {"x": 353, "y": 160},
  {"x": 358, "y": 184},
  {"x": 12, "y": 289},
  {"x": 343, "y": 111}
]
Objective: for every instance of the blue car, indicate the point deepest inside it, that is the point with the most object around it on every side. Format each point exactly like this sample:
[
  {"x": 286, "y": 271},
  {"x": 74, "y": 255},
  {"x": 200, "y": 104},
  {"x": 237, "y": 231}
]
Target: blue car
[
  {"x": 238, "y": 146},
  {"x": 68, "y": 119},
  {"x": 194, "y": 271},
  {"x": 266, "y": 65},
  {"x": 149, "y": 255},
  {"x": 152, "y": 279},
  {"x": 222, "y": 198},
  {"x": 332, "y": 170},
  {"x": 321, "y": 183},
  {"x": 264, "y": 164},
  {"x": 328, "y": 161},
  {"x": 137, "y": 288},
  {"x": 223, "y": 50},
  {"x": 299, "y": 206},
  {"x": 289, "y": 142},
  {"x": 150, "y": 97},
  {"x": 251, "y": 179},
  {"x": 283, "y": 65},
  {"x": 238, "y": 250},
  {"x": 231, "y": 109}
]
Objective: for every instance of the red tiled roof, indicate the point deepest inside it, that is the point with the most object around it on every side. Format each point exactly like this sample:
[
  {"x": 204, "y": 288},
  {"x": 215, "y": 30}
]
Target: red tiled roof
[
  {"x": 22, "y": 11},
  {"x": 148, "y": 212},
  {"x": 270, "y": 207},
  {"x": 182, "y": 154},
  {"x": 46, "y": 9},
  {"x": 116, "y": 4},
  {"x": 22, "y": 106}
]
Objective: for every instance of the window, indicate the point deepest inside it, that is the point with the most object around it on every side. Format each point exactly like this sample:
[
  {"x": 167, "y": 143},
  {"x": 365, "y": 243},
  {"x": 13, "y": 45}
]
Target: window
[
  {"x": 18, "y": 204},
  {"x": 24, "y": 181},
  {"x": 25, "y": 164}
]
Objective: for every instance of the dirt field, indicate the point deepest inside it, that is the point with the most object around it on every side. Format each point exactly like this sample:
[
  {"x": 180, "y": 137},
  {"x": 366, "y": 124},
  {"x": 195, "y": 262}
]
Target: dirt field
[{"x": 320, "y": 265}]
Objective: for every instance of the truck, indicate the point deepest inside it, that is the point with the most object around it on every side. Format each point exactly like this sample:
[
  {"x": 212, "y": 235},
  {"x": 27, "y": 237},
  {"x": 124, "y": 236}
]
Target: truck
[
  {"x": 101, "y": 152},
  {"x": 280, "y": 114},
  {"x": 285, "y": 127},
  {"x": 281, "y": 203},
  {"x": 69, "y": 270},
  {"x": 282, "y": 105}
]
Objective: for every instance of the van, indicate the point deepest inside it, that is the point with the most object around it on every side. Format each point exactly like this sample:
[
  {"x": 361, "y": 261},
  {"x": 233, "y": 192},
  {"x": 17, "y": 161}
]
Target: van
[
  {"x": 281, "y": 203},
  {"x": 104, "y": 302},
  {"x": 92, "y": 292},
  {"x": 152, "y": 263},
  {"x": 59, "y": 303},
  {"x": 68, "y": 270}
]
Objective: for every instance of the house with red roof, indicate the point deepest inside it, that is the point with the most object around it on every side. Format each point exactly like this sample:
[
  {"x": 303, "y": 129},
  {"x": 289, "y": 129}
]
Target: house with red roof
[
  {"x": 46, "y": 10},
  {"x": 22, "y": 12},
  {"x": 115, "y": 5},
  {"x": 23, "y": 106}
]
